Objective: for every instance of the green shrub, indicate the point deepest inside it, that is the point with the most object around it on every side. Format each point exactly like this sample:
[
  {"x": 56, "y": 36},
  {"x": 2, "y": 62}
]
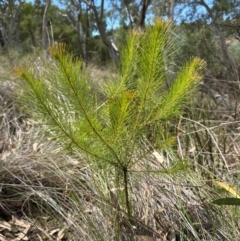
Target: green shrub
[{"x": 111, "y": 132}]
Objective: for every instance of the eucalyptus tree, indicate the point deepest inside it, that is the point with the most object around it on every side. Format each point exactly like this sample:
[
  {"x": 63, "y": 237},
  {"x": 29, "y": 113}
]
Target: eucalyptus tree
[
  {"x": 127, "y": 11},
  {"x": 45, "y": 20},
  {"x": 219, "y": 17},
  {"x": 2, "y": 41},
  {"x": 10, "y": 21},
  {"x": 131, "y": 13},
  {"x": 99, "y": 16}
]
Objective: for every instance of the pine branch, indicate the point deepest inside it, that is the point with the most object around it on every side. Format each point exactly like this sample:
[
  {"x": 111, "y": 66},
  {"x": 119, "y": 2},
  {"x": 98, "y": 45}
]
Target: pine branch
[{"x": 113, "y": 133}]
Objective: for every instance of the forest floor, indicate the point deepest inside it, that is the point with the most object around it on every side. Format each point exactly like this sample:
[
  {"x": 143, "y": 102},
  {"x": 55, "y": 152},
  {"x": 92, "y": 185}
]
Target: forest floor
[{"x": 47, "y": 193}]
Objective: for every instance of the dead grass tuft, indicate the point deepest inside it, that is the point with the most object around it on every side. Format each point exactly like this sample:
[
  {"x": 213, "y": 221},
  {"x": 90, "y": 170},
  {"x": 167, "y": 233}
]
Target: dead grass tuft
[{"x": 47, "y": 193}]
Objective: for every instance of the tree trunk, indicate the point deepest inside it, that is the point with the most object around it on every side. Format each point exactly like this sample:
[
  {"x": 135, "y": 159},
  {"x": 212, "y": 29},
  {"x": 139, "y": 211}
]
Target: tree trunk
[
  {"x": 12, "y": 24},
  {"x": 87, "y": 37},
  {"x": 79, "y": 31},
  {"x": 171, "y": 10},
  {"x": 99, "y": 21},
  {"x": 226, "y": 58},
  {"x": 143, "y": 13},
  {"x": 32, "y": 37},
  {"x": 2, "y": 42},
  {"x": 44, "y": 25}
]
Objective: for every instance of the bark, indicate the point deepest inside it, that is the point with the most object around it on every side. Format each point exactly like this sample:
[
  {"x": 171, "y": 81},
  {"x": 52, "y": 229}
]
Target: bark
[
  {"x": 76, "y": 24},
  {"x": 45, "y": 42},
  {"x": 87, "y": 37},
  {"x": 31, "y": 33},
  {"x": 171, "y": 10},
  {"x": 13, "y": 23},
  {"x": 79, "y": 32},
  {"x": 99, "y": 21},
  {"x": 18, "y": 24},
  {"x": 143, "y": 13},
  {"x": 131, "y": 20},
  {"x": 2, "y": 42}
]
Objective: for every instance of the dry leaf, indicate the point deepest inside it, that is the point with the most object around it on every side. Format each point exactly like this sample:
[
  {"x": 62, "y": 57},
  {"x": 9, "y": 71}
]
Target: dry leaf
[
  {"x": 228, "y": 188},
  {"x": 5, "y": 155},
  {"x": 40, "y": 238},
  {"x": 5, "y": 225},
  {"x": 2, "y": 238},
  {"x": 35, "y": 147},
  {"x": 21, "y": 223},
  {"x": 60, "y": 235},
  {"x": 158, "y": 156},
  {"x": 54, "y": 231}
]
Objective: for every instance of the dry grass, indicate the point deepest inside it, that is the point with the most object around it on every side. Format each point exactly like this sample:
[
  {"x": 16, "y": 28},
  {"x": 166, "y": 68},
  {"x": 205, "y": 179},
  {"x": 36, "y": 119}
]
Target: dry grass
[{"x": 61, "y": 197}]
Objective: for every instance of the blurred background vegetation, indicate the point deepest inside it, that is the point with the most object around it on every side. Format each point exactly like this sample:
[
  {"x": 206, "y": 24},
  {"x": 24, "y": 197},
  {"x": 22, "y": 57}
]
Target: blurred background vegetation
[
  {"x": 96, "y": 30},
  {"x": 93, "y": 29}
]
